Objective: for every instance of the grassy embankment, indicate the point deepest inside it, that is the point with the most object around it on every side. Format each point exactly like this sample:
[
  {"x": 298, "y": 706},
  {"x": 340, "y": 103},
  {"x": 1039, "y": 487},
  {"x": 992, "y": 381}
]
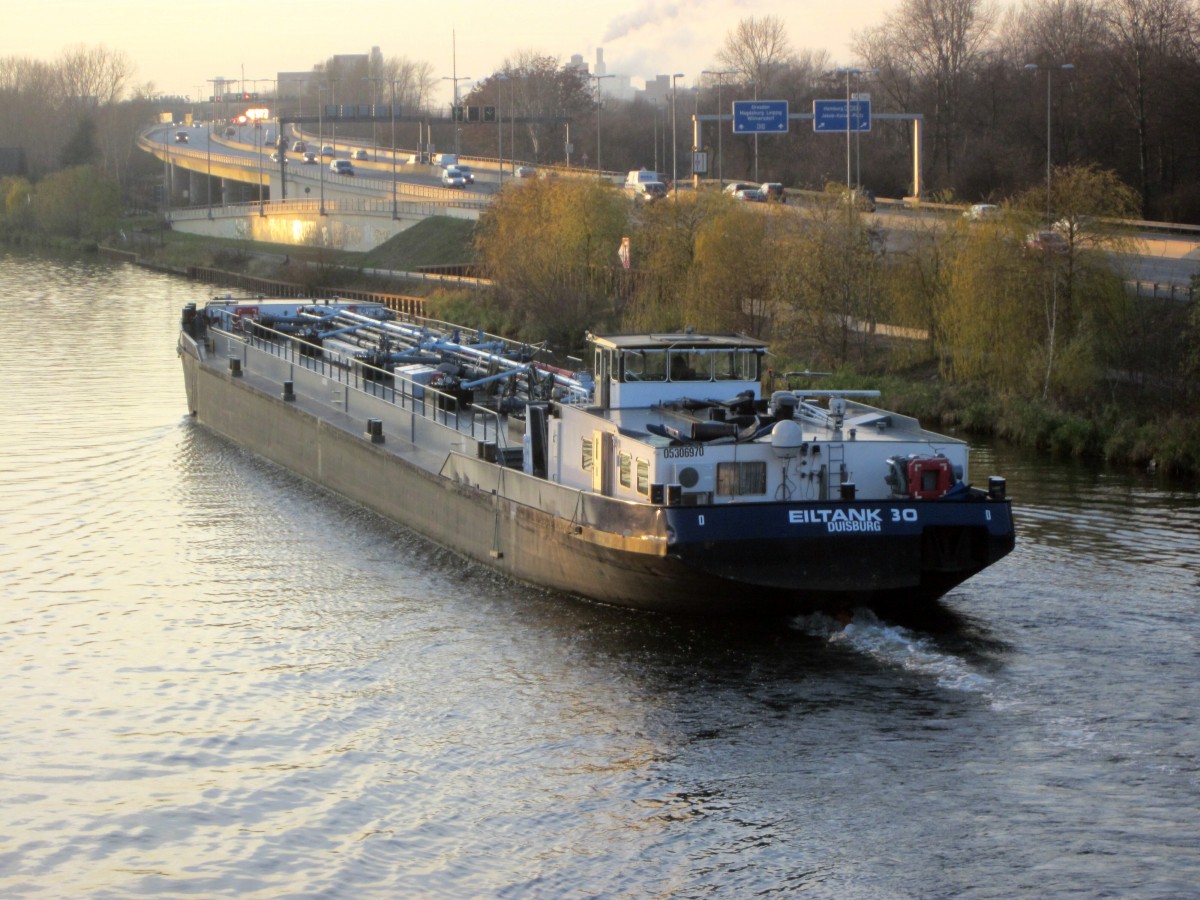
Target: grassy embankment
[{"x": 433, "y": 242}]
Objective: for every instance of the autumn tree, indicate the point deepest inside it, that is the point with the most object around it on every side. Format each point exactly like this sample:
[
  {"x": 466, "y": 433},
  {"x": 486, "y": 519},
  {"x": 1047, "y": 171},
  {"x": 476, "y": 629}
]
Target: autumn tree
[
  {"x": 829, "y": 273},
  {"x": 665, "y": 249},
  {"x": 551, "y": 247},
  {"x": 17, "y": 194},
  {"x": 920, "y": 282},
  {"x": 989, "y": 320},
  {"x": 1077, "y": 287},
  {"x": 77, "y": 202}
]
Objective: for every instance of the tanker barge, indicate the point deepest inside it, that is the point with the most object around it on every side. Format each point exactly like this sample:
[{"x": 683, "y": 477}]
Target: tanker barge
[{"x": 657, "y": 477}]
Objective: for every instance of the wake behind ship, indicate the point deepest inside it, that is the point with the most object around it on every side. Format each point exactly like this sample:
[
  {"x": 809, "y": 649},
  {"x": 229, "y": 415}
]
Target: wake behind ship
[{"x": 658, "y": 478}]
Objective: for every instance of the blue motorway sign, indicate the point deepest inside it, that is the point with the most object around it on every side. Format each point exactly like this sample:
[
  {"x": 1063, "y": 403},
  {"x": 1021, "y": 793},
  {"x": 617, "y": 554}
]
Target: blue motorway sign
[
  {"x": 760, "y": 116},
  {"x": 830, "y": 116}
]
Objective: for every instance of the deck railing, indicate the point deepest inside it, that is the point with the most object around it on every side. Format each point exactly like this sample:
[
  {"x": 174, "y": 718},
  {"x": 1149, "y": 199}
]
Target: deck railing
[{"x": 422, "y": 400}]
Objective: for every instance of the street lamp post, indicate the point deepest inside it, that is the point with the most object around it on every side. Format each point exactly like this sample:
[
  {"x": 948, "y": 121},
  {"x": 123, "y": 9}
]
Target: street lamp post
[
  {"x": 375, "y": 81},
  {"x": 320, "y": 142},
  {"x": 851, "y": 184},
  {"x": 598, "y": 79},
  {"x": 1034, "y": 67},
  {"x": 847, "y": 73},
  {"x": 208, "y": 154},
  {"x": 512, "y": 123},
  {"x": 654, "y": 100},
  {"x": 756, "y": 136},
  {"x": 720, "y": 129},
  {"x": 858, "y": 126},
  {"x": 500, "y": 77},
  {"x": 395, "y": 211},
  {"x": 457, "y": 127},
  {"x": 674, "y": 141},
  {"x": 258, "y": 140}
]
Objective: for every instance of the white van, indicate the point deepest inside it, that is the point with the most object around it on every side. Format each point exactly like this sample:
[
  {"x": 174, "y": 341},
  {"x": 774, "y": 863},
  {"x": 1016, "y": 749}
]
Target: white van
[
  {"x": 643, "y": 176},
  {"x": 445, "y": 159}
]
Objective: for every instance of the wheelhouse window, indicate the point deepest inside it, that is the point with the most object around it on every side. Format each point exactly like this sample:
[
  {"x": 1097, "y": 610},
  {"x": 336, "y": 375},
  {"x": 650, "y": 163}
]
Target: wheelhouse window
[
  {"x": 625, "y": 467},
  {"x": 736, "y": 365},
  {"x": 691, "y": 365},
  {"x": 586, "y": 461},
  {"x": 644, "y": 365},
  {"x": 643, "y": 477},
  {"x": 739, "y": 478}
]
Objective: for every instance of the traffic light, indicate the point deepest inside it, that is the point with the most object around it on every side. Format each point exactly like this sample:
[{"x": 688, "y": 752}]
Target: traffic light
[
  {"x": 472, "y": 113},
  {"x": 489, "y": 114},
  {"x": 458, "y": 113}
]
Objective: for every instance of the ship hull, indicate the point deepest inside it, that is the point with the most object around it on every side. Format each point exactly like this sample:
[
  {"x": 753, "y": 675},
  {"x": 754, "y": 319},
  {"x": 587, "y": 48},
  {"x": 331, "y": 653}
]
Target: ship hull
[{"x": 742, "y": 560}]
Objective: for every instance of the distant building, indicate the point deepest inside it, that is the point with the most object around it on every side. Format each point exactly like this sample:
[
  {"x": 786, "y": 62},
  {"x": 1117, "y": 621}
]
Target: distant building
[
  {"x": 609, "y": 84},
  {"x": 302, "y": 86}
]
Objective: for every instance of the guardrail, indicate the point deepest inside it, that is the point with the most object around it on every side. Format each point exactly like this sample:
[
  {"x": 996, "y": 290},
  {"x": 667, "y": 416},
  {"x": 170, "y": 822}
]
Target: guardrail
[
  {"x": 358, "y": 206},
  {"x": 1157, "y": 290},
  {"x": 268, "y": 287}
]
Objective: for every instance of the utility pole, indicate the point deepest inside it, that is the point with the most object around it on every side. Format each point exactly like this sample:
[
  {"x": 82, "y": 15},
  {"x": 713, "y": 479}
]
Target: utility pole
[{"x": 720, "y": 123}]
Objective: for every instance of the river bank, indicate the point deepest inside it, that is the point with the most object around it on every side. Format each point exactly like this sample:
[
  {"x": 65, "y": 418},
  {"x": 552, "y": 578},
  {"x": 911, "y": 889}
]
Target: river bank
[{"x": 1122, "y": 435}]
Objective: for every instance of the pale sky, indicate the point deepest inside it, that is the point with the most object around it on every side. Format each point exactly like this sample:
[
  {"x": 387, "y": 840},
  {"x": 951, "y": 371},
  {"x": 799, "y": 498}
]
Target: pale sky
[{"x": 180, "y": 44}]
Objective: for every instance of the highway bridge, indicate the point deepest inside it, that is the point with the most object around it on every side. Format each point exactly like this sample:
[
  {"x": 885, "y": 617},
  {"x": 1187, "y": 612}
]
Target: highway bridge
[{"x": 228, "y": 185}]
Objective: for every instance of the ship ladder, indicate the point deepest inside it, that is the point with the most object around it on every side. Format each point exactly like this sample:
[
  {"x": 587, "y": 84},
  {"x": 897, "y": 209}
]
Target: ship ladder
[
  {"x": 496, "y": 552},
  {"x": 574, "y": 527},
  {"x": 835, "y": 470}
]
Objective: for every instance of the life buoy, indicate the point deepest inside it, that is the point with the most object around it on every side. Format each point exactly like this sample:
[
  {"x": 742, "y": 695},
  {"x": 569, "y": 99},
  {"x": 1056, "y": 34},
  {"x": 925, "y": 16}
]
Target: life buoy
[{"x": 929, "y": 477}]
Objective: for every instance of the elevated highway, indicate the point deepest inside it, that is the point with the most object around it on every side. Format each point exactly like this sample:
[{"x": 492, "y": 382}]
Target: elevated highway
[
  {"x": 229, "y": 186},
  {"x": 235, "y": 189}
]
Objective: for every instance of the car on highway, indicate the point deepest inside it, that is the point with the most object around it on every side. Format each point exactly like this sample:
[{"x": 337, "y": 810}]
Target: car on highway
[
  {"x": 525, "y": 172},
  {"x": 181, "y": 137},
  {"x": 451, "y": 177},
  {"x": 773, "y": 191},
  {"x": 740, "y": 190},
  {"x": 327, "y": 150},
  {"x": 310, "y": 157},
  {"x": 981, "y": 212},
  {"x": 466, "y": 172},
  {"x": 360, "y": 154},
  {"x": 279, "y": 157},
  {"x": 642, "y": 176},
  {"x": 299, "y": 147},
  {"x": 341, "y": 167},
  {"x": 1045, "y": 243},
  {"x": 230, "y": 131}
]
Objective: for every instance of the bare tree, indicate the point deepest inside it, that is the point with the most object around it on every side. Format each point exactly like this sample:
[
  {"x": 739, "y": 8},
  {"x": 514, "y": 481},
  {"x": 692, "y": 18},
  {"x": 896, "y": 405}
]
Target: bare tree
[
  {"x": 414, "y": 81},
  {"x": 541, "y": 88},
  {"x": 758, "y": 49},
  {"x": 92, "y": 76},
  {"x": 938, "y": 43},
  {"x": 1147, "y": 38}
]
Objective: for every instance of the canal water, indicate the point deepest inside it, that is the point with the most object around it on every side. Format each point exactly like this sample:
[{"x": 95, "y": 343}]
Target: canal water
[{"x": 222, "y": 681}]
